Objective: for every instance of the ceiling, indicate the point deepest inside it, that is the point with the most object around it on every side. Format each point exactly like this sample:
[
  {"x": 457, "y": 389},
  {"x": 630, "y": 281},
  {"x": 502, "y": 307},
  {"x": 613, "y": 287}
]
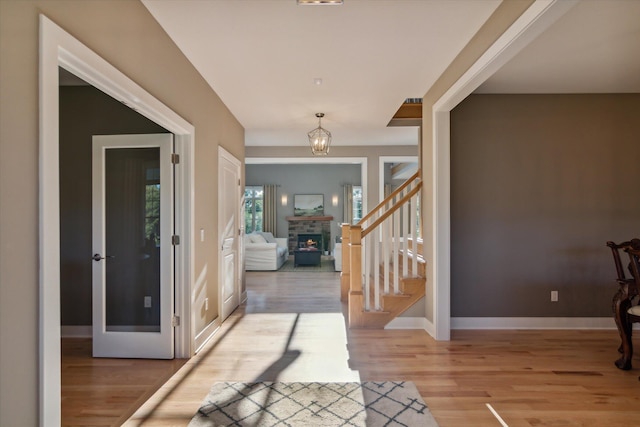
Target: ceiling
[
  {"x": 594, "y": 48},
  {"x": 262, "y": 57}
]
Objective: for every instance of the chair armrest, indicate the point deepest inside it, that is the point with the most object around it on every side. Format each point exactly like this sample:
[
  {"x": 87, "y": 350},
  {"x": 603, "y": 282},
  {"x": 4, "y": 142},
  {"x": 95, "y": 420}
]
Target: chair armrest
[{"x": 282, "y": 241}]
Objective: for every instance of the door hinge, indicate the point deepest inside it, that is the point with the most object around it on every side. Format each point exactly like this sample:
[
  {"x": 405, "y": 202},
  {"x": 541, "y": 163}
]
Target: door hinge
[
  {"x": 175, "y": 321},
  {"x": 175, "y": 158},
  {"x": 175, "y": 240}
]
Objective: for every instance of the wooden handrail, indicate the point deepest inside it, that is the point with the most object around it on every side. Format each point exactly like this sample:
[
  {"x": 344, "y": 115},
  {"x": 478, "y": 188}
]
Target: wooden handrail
[
  {"x": 390, "y": 197},
  {"x": 388, "y": 213}
]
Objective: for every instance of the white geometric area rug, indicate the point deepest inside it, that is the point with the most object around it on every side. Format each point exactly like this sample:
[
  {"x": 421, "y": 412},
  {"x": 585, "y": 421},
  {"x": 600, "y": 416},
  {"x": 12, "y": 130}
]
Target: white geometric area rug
[{"x": 267, "y": 404}]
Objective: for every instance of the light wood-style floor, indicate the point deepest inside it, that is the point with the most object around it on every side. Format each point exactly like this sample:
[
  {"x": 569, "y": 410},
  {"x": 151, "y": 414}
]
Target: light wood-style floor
[
  {"x": 292, "y": 329},
  {"x": 105, "y": 392}
]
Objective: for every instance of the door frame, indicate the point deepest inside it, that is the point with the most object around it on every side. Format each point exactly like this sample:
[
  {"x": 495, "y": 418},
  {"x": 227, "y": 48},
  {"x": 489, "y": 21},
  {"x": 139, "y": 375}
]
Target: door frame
[
  {"x": 60, "y": 49},
  {"x": 436, "y": 155},
  {"x": 391, "y": 159}
]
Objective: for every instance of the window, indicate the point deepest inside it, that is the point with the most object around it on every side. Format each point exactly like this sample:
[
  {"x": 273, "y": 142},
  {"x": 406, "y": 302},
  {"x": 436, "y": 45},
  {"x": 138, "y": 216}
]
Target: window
[
  {"x": 357, "y": 203},
  {"x": 253, "y": 208}
]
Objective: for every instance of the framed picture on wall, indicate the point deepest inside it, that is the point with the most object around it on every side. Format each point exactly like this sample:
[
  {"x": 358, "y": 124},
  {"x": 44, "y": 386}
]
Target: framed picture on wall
[{"x": 308, "y": 204}]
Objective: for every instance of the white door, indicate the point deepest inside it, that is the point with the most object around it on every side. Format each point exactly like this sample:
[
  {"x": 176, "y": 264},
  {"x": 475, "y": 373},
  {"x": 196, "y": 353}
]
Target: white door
[
  {"x": 228, "y": 230},
  {"x": 132, "y": 246}
]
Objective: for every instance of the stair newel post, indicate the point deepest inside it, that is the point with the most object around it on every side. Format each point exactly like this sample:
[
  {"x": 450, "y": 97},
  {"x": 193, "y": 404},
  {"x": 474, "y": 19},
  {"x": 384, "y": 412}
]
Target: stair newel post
[
  {"x": 346, "y": 267},
  {"x": 355, "y": 291}
]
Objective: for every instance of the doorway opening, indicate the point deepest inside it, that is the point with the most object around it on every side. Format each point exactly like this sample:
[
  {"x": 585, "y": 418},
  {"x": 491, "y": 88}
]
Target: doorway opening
[{"x": 59, "y": 49}]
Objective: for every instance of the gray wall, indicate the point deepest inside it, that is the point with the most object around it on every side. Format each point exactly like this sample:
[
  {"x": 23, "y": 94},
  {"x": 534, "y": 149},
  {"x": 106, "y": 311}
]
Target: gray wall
[
  {"x": 372, "y": 153},
  {"x": 84, "y": 111},
  {"x": 305, "y": 179},
  {"x": 539, "y": 183}
]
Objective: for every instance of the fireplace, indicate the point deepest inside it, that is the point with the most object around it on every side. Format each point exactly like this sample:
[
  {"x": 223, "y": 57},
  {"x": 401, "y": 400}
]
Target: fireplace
[
  {"x": 310, "y": 241},
  {"x": 317, "y": 226}
]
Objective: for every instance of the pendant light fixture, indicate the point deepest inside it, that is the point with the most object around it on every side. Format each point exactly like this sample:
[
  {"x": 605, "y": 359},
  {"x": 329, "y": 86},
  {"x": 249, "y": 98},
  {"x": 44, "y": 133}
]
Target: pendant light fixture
[{"x": 319, "y": 138}]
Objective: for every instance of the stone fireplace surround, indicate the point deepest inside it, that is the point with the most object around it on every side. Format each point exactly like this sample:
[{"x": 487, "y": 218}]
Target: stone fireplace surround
[{"x": 307, "y": 225}]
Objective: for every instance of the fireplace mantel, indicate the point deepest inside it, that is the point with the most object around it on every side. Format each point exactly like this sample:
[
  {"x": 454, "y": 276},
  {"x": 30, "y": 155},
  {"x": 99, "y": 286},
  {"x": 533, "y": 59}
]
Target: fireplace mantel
[{"x": 309, "y": 218}]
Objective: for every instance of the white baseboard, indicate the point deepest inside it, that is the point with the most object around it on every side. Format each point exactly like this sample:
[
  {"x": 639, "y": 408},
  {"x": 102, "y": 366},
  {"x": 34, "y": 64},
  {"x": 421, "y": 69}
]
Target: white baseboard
[
  {"x": 207, "y": 333},
  {"x": 408, "y": 323},
  {"x": 81, "y": 331},
  {"x": 508, "y": 323},
  {"x": 533, "y": 323}
]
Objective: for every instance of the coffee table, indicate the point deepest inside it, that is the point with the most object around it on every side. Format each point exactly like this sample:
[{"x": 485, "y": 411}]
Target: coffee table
[{"x": 307, "y": 257}]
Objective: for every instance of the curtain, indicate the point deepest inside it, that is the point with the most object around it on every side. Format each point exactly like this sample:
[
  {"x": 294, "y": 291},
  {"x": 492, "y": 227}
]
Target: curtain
[
  {"x": 270, "y": 218},
  {"x": 347, "y": 206}
]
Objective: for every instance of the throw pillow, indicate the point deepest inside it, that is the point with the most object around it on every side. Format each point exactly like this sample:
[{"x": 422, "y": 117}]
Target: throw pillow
[
  {"x": 268, "y": 236},
  {"x": 256, "y": 238}
]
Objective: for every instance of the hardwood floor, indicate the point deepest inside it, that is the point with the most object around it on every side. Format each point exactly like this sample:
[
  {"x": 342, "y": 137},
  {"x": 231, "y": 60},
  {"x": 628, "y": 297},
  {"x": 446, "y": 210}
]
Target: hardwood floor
[
  {"x": 105, "y": 392},
  {"x": 292, "y": 329}
]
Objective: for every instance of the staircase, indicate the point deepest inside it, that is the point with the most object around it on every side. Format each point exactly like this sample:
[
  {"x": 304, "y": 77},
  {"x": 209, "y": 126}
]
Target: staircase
[{"x": 383, "y": 270}]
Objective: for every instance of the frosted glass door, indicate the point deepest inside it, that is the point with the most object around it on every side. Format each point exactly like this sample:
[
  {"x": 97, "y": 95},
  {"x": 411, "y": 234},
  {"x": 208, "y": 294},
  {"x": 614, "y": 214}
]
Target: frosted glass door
[{"x": 132, "y": 259}]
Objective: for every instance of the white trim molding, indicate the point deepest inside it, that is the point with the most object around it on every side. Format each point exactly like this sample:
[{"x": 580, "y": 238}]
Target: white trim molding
[
  {"x": 206, "y": 334},
  {"x": 390, "y": 159},
  {"x": 533, "y": 323},
  {"x": 408, "y": 323},
  {"x": 489, "y": 323}
]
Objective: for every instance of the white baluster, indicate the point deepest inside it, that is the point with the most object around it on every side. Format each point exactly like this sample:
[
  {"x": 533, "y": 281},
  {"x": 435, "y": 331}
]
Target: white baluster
[
  {"x": 395, "y": 218},
  {"x": 366, "y": 274},
  {"x": 414, "y": 239},
  {"x": 405, "y": 239},
  {"x": 375, "y": 271},
  {"x": 386, "y": 229}
]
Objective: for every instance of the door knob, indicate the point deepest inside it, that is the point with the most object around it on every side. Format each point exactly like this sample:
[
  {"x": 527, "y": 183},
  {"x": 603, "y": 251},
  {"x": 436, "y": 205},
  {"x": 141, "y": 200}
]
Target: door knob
[{"x": 97, "y": 257}]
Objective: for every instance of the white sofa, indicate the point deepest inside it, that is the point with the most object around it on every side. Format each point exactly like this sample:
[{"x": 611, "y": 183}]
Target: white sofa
[
  {"x": 262, "y": 251},
  {"x": 337, "y": 256}
]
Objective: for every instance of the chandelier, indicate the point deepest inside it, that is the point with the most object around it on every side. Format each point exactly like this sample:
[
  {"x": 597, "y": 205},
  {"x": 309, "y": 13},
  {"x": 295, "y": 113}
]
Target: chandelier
[{"x": 319, "y": 138}]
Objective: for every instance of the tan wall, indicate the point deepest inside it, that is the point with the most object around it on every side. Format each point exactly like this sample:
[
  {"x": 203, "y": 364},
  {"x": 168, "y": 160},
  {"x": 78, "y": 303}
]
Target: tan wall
[
  {"x": 126, "y": 35},
  {"x": 539, "y": 184}
]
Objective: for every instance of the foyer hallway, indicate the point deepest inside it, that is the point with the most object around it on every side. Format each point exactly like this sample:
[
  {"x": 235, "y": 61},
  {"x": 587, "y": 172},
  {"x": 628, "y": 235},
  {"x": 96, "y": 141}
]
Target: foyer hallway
[{"x": 292, "y": 329}]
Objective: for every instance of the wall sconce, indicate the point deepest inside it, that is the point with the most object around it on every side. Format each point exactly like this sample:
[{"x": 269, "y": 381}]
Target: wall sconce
[
  {"x": 284, "y": 200},
  {"x": 334, "y": 200}
]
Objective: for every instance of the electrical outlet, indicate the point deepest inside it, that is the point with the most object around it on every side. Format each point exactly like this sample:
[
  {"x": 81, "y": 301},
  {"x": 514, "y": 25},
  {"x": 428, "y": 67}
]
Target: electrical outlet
[
  {"x": 554, "y": 296},
  {"x": 206, "y": 304},
  {"x": 147, "y": 301},
  {"x": 202, "y": 234}
]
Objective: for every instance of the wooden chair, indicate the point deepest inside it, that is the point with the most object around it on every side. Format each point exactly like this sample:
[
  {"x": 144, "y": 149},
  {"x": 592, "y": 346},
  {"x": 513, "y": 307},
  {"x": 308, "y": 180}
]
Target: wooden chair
[
  {"x": 633, "y": 312},
  {"x": 625, "y": 312}
]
